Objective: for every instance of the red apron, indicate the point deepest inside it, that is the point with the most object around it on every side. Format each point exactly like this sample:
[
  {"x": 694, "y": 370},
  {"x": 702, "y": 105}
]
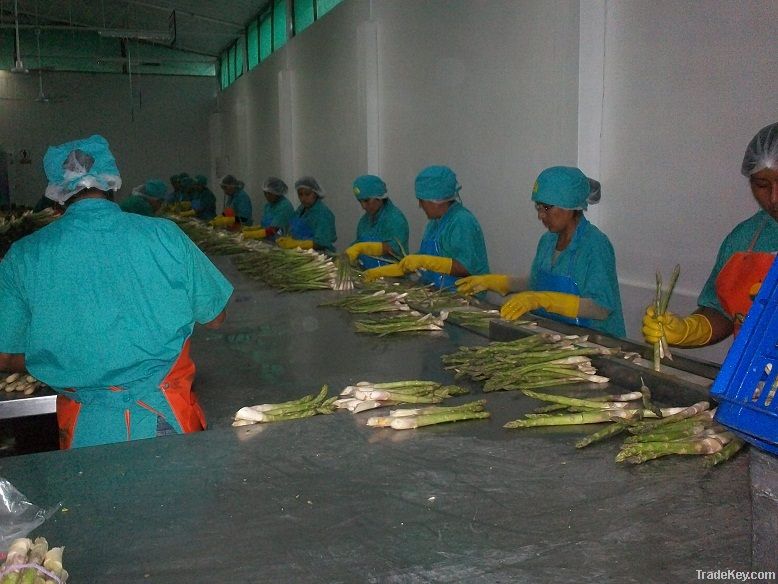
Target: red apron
[
  {"x": 740, "y": 278},
  {"x": 176, "y": 387}
]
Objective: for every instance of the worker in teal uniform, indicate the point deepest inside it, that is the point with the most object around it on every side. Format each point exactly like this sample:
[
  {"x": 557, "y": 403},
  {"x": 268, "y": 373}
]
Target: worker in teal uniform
[
  {"x": 744, "y": 258},
  {"x": 172, "y": 196},
  {"x": 382, "y": 232},
  {"x": 453, "y": 244},
  {"x": 145, "y": 199},
  {"x": 80, "y": 307},
  {"x": 573, "y": 276},
  {"x": 276, "y": 214},
  {"x": 203, "y": 200},
  {"x": 313, "y": 224},
  {"x": 237, "y": 207}
]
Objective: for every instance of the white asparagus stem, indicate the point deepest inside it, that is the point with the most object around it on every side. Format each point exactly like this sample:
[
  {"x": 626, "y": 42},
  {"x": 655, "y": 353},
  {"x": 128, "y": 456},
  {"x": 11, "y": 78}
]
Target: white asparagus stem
[{"x": 380, "y": 421}]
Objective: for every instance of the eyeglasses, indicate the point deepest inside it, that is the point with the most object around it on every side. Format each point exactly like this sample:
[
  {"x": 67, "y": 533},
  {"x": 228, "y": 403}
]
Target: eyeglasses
[{"x": 543, "y": 208}]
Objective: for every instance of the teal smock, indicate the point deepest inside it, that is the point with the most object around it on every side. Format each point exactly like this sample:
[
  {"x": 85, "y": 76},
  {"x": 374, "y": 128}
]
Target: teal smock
[
  {"x": 319, "y": 225},
  {"x": 102, "y": 298},
  {"x": 204, "y": 204},
  {"x": 278, "y": 214},
  {"x": 739, "y": 239},
  {"x": 240, "y": 202},
  {"x": 138, "y": 205},
  {"x": 458, "y": 235},
  {"x": 388, "y": 225},
  {"x": 588, "y": 260}
]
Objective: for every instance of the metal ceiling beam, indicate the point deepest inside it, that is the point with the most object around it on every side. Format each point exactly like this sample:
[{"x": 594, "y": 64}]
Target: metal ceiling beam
[{"x": 169, "y": 8}]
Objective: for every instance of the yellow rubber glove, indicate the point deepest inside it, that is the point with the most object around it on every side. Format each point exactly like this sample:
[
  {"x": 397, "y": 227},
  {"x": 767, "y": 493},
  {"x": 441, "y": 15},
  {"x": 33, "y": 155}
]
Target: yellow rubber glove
[
  {"x": 189, "y": 213},
  {"x": 556, "y": 302},
  {"x": 372, "y": 248},
  {"x": 387, "y": 271},
  {"x": 185, "y": 205},
  {"x": 291, "y": 243},
  {"x": 222, "y": 221},
  {"x": 254, "y": 233},
  {"x": 694, "y": 330},
  {"x": 411, "y": 263},
  {"x": 473, "y": 284}
]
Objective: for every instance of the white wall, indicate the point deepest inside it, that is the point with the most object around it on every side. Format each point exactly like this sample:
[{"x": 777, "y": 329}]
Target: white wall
[
  {"x": 670, "y": 92},
  {"x": 167, "y": 132}
]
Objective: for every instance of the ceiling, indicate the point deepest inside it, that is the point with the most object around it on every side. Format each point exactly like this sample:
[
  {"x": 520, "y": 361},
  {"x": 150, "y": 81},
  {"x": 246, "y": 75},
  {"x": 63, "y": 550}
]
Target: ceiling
[{"x": 55, "y": 32}]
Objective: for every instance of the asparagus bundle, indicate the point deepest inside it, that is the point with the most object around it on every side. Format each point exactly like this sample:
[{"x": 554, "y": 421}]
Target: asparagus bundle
[
  {"x": 430, "y": 298},
  {"x": 410, "y": 419},
  {"x": 656, "y": 432},
  {"x": 304, "y": 407},
  {"x": 661, "y": 300},
  {"x": 290, "y": 270},
  {"x": 380, "y": 301},
  {"x": 474, "y": 318},
  {"x": 344, "y": 279},
  {"x": 32, "y": 562},
  {"x": 25, "y": 384},
  {"x": 14, "y": 227},
  {"x": 411, "y": 322},
  {"x": 535, "y": 361},
  {"x": 366, "y": 395}
]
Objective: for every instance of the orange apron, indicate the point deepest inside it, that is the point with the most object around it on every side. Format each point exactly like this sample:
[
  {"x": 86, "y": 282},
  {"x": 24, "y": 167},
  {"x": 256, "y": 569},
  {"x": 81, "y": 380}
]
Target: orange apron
[
  {"x": 175, "y": 389},
  {"x": 740, "y": 278}
]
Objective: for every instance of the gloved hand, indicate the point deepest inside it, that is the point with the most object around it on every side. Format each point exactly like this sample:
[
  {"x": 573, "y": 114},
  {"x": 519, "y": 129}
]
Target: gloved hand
[
  {"x": 411, "y": 263},
  {"x": 291, "y": 243},
  {"x": 387, "y": 271},
  {"x": 691, "y": 331},
  {"x": 222, "y": 221},
  {"x": 185, "y": 205},
  {"x": 190, "y": 213},
  {"x": 473, "y": 284},
  {"x": 556, "y": 302},
  {"x": 254, "y": 233},
  {"x": 374, "y": 248}
]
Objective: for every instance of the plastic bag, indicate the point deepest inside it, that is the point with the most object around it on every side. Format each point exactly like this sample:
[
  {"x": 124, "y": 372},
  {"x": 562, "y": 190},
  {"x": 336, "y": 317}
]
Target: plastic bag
[{"x": 18, "y": 517}]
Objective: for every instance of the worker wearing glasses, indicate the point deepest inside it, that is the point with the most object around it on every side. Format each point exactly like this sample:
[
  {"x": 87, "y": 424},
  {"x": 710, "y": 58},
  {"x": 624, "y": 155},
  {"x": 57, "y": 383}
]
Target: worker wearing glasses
[
  {"x": 573, "y": 277},
  {"x": 744, "y": 259}
]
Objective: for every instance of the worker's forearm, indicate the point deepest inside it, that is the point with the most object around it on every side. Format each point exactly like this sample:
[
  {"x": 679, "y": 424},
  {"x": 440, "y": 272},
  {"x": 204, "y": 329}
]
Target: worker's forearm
[
  {"x": 458, "y": 270},
  {"x": 589, "y": 309},
  {"x": 517, "y": 284},
  {"x": 721, "y": 326},
  {"x": 12, "y": 362}
]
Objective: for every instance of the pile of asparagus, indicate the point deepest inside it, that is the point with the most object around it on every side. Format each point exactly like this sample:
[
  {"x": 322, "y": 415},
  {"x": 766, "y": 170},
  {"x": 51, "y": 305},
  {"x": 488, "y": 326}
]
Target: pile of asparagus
[
  {"x": 32, "y": 562},
  {"x": 289, "y": 270},
  {"x": 541, "y": 360},
  {"x": 412, "y": 418},
  {"x": 304, "y": 407},
  {"x": 654, "y": 432},
  {"x": 367, "y": 396},
  {"x": 25, "y": 384},
  {"x": 474, "y": 318},
  {"x": 404, "y": 323},
  {"x": 371, "y": 302}
]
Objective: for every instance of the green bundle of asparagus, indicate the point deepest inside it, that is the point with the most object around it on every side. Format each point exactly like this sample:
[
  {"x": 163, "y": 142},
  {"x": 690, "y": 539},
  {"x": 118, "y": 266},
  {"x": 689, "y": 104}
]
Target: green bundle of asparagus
[
  {"x": 410, "y": 419},
  {"x": 304, "y": 407},
  {"x": 289, "y": 270},
  {"x": 404, "y": 323},
  {"x": 535, "y": 361},
  {"x": 32, "y": 562},
  {"x": 371, "y": 302},
  {"x": 366, "y": 395}
]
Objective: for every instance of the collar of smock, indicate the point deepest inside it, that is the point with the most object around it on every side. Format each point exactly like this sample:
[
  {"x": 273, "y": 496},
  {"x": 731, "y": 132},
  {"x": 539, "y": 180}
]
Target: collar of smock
[
  {"x": 579, "y": 229},
  {"x": 91, "y": 206}
]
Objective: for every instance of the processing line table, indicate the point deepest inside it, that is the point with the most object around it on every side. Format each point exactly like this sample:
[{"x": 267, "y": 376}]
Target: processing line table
[{"x": 327, "y": 499}]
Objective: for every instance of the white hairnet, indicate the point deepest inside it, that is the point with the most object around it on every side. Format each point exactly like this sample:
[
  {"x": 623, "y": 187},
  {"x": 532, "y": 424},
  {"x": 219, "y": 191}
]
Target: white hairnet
[
  {"x": 308, "y": 182},
  {"x": 231, "y": 181},
  {"x": 762, "y": 151},
  {"x": 275, "y": 186}
]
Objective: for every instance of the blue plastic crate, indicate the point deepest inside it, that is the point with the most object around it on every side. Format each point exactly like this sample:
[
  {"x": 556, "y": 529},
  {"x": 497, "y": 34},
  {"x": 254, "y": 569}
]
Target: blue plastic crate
[{"x": 747, "y": 384}]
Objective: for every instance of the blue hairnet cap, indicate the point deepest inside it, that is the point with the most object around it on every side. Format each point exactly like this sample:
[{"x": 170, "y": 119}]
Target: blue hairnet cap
[
  {"x": 762, "y": 151},
  {"x": 369, "y": 186},
  {"x": 566, "y": 187},
  {"x": 275, "y": 186},
  {"x": 186, "y": 182},
  {"x": 437, "y": 183},
  {"x": 308, "y": 182},
  {"x": 78, "y": 165},
  {"x": 201, "y": 179},
  {"x": 155, "y": 188}
]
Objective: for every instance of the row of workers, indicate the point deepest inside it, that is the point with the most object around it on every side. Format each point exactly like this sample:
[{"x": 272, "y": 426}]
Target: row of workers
[{"x": 573, "y": 275}]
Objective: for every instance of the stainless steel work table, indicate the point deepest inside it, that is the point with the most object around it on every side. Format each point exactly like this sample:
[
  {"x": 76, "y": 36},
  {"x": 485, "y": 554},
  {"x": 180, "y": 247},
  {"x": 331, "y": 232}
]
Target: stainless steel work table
[{"x": 327, "y": 499}]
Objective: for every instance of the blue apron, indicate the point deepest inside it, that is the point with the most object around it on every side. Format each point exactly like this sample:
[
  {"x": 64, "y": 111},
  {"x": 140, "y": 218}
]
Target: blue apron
[
  {"x": 432, "y": 247},
  {"x": 300, "y": 230},
  {"x": 547, "y": 281},
  {"x": 369, "y": 262}
]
